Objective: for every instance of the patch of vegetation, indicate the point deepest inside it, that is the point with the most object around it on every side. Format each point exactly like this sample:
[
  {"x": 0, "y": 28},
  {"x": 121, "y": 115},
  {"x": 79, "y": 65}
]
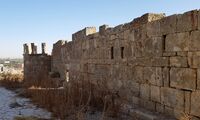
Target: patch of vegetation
[{"x": 28, "y": 118}]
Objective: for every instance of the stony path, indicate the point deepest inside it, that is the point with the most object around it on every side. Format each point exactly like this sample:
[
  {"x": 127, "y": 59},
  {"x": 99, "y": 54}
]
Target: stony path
[{"x": 11, "y": 106}]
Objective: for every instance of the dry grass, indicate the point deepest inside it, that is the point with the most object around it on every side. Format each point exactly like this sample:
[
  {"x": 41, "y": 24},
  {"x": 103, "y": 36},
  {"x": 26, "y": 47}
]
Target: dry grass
[
  {"x": 11, "y": 81},
  {"x": 75, "y": 100}
]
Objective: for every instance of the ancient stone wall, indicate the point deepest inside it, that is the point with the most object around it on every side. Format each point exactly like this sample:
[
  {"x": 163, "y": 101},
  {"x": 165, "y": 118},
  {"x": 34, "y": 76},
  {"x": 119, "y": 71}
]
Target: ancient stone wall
[
  {"x": 152, "y": 62},
  {"x": 36, "y": 66}
]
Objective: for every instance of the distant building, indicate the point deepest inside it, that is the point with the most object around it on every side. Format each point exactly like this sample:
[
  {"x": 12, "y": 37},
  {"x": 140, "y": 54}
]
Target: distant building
[{"x": 7, "y": 62}]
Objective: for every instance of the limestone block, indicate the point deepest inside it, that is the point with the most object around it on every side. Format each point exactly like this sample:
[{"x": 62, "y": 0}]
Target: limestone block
[
  {"x": 194, "y": 59},
  {"x": 145, "y": 91},
  {"x": 139, "y": 33},
  {"x": 126, "y": 34},
  {"x": 187, "y": 101},
  {"x": 149, "y": 105},
  {"x": 165, "y": 76},
  {"x": 153, "y": 28},
  {"x": 195, "y": 42},
  {"x": 135, "y": 100},
  {"x": 133, "y": 87},
  {"x": 177, "y": 42},
  {"x": 172, "y": 97},
  {"x": 153, "y": 47},
  {"x": 168, "y": 25},
  {"x": 137, "y": 74},
  {"x": 159, "y": 108},
  {"x": 169, "y": 111},
  {"x": 198, "y": 79},
  {"x": 168, "y": 54},
  {"x": 195, "y": 105},
  {"x": 187, "y": 21},
  {"x": 137, "y": 48},
  {"x": 179, "y": 114},
  {"x": 183, "y": 78},
  {"x": 153, "y": 75},
  {"x": 182, "y": 54},
  {"x": 159, "y": 62},
  {"x": 178, "y": 61},
  {"x": 155, "y": 93}
]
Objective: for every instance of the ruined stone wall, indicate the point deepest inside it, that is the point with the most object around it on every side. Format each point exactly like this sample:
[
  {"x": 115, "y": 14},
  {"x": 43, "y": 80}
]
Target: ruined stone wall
[
  {"x": 151, "y": 62},
  {"x": 36, "y": 66}
]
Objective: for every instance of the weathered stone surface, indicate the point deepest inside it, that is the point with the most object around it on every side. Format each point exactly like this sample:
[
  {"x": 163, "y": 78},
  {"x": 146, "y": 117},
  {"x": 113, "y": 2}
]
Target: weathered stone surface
[
  {"x": 187, "y": 21},
  {"x": 168, "y": 25},
  {"x": 159, "y": 108},
  {"x": 153, "y": 28},
  {"x": 172, "y": 97},
  {"x": 169, "y": 111},
  {"x": 145, "y": 91},
  {"x": 177, "y": 42},
  {"x": 198, "y": 79},
  {"x": 155, "y": 63},
  {"x": 183, "y": 78},
  {"x": 137, "y": 74},
  {"x": 153, "y": 47},
  {"x": 165, "y": 76},
  {"x": 169, "y": 54},
  {"x": 195, "y": 42},
  {"x": 178, "y": 61},
  {"x": 182, "y": 54},
  {"x": 149, "y": 105},
  {"x": 187, "y": 101},
  {"x": 153, "y": 75},
  {"x": 194, "y": 59},
  {"x": 159, "y": 62},
  {"x": 195, "y": 106},
  {"x": 155, "y": 93}
]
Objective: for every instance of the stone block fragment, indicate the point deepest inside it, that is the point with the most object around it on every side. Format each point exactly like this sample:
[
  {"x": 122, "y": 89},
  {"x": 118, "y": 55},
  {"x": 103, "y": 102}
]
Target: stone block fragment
[
  {"x": 153, "y": 75},
  {"x": 187, "y": 101},
  {"x": 195, "y": 42},
  {"x": 177, "y": 42},
  {"x": 153, "y": 28},
  {"x": 169, "y": 111},
  {"x": 183, "y": 78},
  {"x": 195, "y": 106},
  {"x": 182, "y": 54},
  {"x": 172, "y": 97},
  {"x": 198, "y": 79},
  {"x": 158, "y": 62},
  {"x": 149, "y": 105},
  {"x": 178, "y": 61},
  {"x": 169, "y": 54},
  {"x": 165, "y": 76},
  {"x": 137, "y": 74},
  {"x": 194, "y": 59},
  {"x": 153, "y": 47},
  {"x": 159, "y": 108},
  {"x": 187, "y": 21},
  {"x": 168, "y": 25},
  {"x": 155, "y": 93},
  {"x": 145, "y": 91}
]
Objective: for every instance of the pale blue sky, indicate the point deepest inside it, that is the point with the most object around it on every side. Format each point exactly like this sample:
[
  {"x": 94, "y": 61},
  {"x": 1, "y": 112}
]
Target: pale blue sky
[{"x": 26, "y": 21}]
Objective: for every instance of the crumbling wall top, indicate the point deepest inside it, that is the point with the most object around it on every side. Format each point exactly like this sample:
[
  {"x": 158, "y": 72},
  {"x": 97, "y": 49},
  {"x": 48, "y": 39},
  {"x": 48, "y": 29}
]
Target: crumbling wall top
[{"x": 83, "y": 33}]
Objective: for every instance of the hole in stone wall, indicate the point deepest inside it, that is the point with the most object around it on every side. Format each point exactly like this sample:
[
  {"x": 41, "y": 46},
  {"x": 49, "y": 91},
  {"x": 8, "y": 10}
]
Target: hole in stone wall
[
  {"x": 122, "y": 52},
  {"x": 112, "y": 53},
  {"x": 164, "y": 38}
]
